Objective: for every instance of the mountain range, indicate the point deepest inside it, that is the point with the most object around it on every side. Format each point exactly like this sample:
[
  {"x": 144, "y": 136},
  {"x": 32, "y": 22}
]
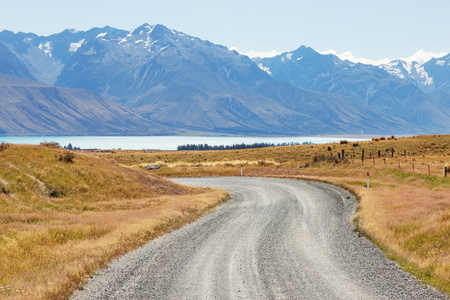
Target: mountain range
[
  {"x": 154, "y": 80},
  {"x": 415, "y": 93}
]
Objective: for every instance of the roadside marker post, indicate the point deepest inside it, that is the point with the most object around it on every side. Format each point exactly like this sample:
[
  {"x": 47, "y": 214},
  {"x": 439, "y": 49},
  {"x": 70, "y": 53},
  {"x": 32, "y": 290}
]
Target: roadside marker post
[
  {"x": 367, "y": 180},
  {"x": 241, "y": 171}
]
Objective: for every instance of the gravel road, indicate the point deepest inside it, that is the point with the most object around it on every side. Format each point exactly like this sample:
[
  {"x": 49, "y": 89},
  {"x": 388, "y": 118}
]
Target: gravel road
[{"x": 276, "y": 239}]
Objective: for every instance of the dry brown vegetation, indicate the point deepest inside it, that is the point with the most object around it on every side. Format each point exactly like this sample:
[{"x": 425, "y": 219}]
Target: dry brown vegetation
[
  {"x": 406, "y": 211},
  {"x": 64, "y": 216}
]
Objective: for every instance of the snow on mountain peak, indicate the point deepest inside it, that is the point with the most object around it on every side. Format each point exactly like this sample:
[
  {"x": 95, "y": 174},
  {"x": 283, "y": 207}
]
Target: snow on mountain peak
[
  {"x": 421, "y": 56},
  {"x": 74, "y": 46},
  {"x": 408, "y": 66},
  {"x": 288, "y": 56},
  {"x": 100, "y": 35},
  {"x": 47, "y": 48},
  {"x": 350, "y": 57},
  {"x": 253, "y": 54},
  {"x": 265, "y": 69}
]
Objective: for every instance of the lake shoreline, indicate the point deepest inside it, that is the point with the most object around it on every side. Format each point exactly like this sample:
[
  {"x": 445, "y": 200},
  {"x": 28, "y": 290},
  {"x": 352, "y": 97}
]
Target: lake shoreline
[{"x": 170, "y": 142}]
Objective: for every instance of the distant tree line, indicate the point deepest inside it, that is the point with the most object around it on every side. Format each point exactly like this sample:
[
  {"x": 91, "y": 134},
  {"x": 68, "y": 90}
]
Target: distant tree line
[
  {"x": 201, "y": 147},
  {"x": 70, "y": 147}
]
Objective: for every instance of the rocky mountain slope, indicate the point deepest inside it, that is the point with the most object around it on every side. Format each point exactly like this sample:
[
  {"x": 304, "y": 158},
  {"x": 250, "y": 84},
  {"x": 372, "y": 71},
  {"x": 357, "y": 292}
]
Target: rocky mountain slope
[
  {"x": 432, "y": 77},
  {"x": 33, "y": 108},
  {"x": 392, "y": 89},
  {"x": 186, "y": 83}
]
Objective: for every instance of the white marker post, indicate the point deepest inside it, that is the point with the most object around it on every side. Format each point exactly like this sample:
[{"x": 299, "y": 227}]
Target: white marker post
[
  {"x": 367, "y": 180},
  {"x": 241, "y": 170}
]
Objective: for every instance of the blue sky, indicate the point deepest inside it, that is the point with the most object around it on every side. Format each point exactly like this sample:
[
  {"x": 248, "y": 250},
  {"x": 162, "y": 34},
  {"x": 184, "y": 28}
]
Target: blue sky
[{"x": 368, "y": 29}]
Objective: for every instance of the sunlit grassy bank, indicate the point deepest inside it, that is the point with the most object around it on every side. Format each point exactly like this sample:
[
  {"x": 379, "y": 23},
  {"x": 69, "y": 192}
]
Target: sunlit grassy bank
[
  {"x": 406, "y": 211},
  {"x": 63, "y": 216}
]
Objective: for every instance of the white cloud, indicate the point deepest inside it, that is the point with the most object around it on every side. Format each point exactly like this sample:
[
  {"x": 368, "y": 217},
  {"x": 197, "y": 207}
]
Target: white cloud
[
  {"x": 420, "y": 56},
  {"x": 350, "y": 57},
  {"x": 423, "y": 56},
  {"x": 253, "y": 53}
]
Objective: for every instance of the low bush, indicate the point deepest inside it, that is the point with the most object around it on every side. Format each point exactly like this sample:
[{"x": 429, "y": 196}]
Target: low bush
[
  {"x": 262, "y": 162},
  {"x": 67, "y": 157},
  {"x": 4, "y": 146},
  {"x": 3, "y": 189},
  {"x": 50, "y": 144}
]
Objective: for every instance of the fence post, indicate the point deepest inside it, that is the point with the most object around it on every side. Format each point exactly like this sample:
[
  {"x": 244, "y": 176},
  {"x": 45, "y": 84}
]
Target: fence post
[
  {"x": 367, "y": 180},
  {"x": 445, "y": 171},
  {"x": 379, "y": 153},
  {"x": 429, "y": 172}
]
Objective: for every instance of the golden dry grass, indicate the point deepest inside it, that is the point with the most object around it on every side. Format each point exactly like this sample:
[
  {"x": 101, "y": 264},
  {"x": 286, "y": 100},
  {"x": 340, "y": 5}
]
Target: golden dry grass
[
  {"x": 406, "y": 211},
  {"x": 59, "y": 222}
]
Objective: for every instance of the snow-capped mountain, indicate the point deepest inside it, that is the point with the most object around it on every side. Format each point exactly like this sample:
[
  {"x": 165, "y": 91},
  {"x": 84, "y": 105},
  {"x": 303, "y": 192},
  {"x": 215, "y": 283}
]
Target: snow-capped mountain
[
  {"x": 183, "y": 82},
  {"x": 327, "y": 73},
  {"x": 413, "y": 72},
  {"x": 432, "y": 76},
  {"x": 397, "y": 89},
  {"x": 439, "y": 70},
  {"x": 45, "y": 57}
]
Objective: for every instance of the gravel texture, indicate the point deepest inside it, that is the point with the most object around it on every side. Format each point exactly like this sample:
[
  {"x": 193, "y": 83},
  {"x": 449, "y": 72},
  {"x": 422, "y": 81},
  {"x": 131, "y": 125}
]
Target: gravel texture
[{"x": 276, "y": 239}]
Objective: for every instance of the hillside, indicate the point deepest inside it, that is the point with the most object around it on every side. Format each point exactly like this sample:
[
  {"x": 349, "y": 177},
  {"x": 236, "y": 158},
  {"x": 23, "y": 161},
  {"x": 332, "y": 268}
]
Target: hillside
[
  {"x": 11, "y": 65},
  {"x": 33, "y": 108},
  {"x": 65, "y": 216}
]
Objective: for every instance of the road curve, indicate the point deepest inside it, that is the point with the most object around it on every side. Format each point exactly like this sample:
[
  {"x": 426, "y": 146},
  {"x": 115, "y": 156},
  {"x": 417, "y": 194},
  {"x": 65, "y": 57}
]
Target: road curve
[{"x": 276, "y": 239}]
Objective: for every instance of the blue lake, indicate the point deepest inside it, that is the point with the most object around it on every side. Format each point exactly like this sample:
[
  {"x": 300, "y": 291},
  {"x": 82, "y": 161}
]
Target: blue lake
[{"x": 165, "y": 142}]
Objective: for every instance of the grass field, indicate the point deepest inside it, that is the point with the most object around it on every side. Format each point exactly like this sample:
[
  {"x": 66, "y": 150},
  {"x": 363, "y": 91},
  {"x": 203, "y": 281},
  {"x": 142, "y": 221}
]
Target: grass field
[
  {"x": 406, "y": 211},
  {"x": 63, "y": 216}
]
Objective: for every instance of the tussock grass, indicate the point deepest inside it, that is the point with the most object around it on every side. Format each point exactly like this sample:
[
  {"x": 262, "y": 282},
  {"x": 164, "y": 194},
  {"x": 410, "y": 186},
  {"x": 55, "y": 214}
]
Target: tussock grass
[
  {"x": 59, "y": 222},
  {"x": 406, "y": 211}
]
